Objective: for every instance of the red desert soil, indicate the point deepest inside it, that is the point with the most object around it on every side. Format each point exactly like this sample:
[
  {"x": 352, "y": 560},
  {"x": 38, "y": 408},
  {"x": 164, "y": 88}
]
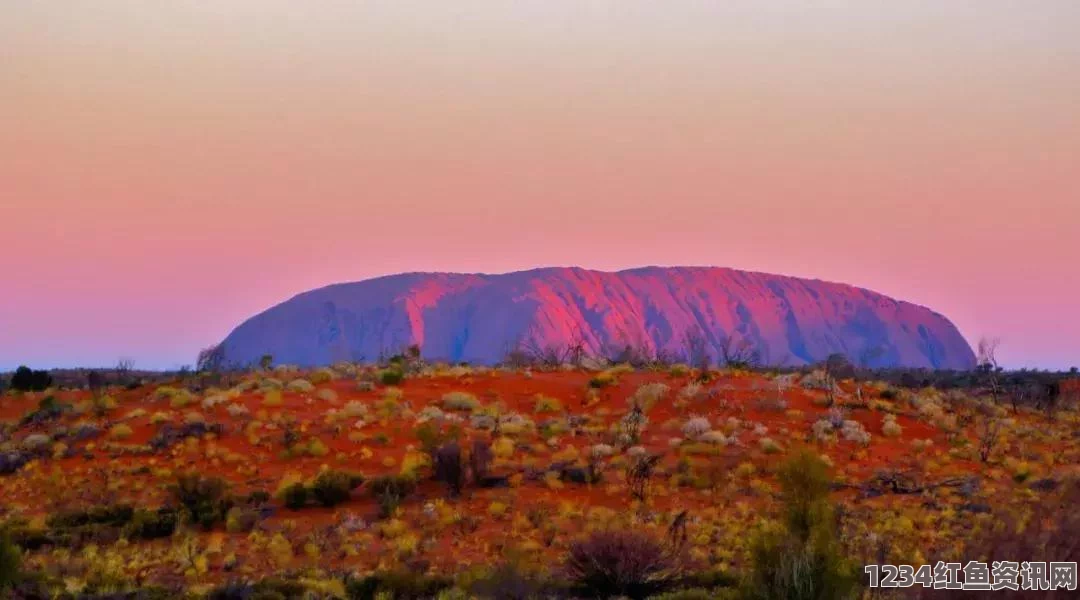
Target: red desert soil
[{"x": 727, "y": 488}]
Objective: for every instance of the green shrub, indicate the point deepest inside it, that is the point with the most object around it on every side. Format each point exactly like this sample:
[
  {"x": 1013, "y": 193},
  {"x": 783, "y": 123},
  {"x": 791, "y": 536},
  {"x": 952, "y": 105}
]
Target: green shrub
[
  {"x": 391, "y": 376},
  {"x": 257, "y": 497},
  {"x": 390, "y": 490},
  {"x": 120, "y": 431},
  {"x": 801, "y": 559},
  {"x": 48, "y": 409},
  {"x": 152, "y": 524},
  {"x": 603, "y": 379},
  {"x": 10, "y": 563},
  {"x": 241, "y": 520},
  {"x": 295, "y": 496},
  {"x": 331, "y": 488},
  {"x": 206, "y": 500},
  {"x": 547, "y": 404},
  {"x": 117, "y": 515},
  {"x": 432, "y": 436},
  {"x": 460, "y": 401}
]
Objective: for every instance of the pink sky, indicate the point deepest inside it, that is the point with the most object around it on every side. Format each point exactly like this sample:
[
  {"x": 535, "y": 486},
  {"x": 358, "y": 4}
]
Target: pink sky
[{"x": 169, "y": 169}]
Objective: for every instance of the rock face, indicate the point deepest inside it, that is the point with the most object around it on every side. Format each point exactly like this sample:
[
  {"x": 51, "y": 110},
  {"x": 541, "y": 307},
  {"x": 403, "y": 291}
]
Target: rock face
[{"x": 478, "y": 318}]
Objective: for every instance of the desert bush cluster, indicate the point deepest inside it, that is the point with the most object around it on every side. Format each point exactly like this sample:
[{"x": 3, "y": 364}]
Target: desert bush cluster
[{"x": 550, "y": 478}]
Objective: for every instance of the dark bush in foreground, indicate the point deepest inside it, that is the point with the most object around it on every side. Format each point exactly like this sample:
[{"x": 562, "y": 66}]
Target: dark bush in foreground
[
  {"x": 267, "y": 589},
  {"x": 100, "y": 515},
  {"x": 399, "y": 585},
  {"x": 331, "y": 488},
  {"x": 10, "y": 563},
  {"x": 508, "y": 581},
  {"x": 152, "y": 524},
  {"x": 621, "y": 563},
  {"x": 295, "y": 496}
]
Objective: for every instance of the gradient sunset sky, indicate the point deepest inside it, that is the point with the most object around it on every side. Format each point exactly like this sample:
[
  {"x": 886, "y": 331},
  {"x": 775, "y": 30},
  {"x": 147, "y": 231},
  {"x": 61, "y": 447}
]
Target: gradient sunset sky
[{"x": 168, "y": 169}]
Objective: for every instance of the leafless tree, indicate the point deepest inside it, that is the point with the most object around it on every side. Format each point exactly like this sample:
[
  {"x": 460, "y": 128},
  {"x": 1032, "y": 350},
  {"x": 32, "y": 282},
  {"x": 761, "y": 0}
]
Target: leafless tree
[
  {"x": 211, "y": 359},
  {"x": 738, "y": 354},
  {"x": 677, "y": 534},
  {"x": 696, "y": 347},
  {"x": 632, "y": 350},
  {"x": 989, "y": 432},
  {"x": 639, "y": 473},
  {"x": 986, "y": 354},
  {"x": 123, "y": 369},
  {"x": 986, "y": 357},
  {"x": 449, "y": 468},
  {"x": 533, "y": 352}
]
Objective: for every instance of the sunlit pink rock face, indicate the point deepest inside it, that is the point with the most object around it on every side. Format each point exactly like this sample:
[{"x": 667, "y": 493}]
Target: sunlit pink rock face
[{"x": 478, "y": 318}]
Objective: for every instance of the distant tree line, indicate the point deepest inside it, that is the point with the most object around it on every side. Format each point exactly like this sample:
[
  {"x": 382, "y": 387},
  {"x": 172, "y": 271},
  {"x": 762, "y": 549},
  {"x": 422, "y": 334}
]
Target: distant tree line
[{"x": 26, "y": 379}]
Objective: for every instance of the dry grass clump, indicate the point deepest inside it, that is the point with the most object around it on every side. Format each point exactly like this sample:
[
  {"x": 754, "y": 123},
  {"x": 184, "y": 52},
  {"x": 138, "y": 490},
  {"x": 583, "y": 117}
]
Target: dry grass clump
[{"x": 462, "y": 401}]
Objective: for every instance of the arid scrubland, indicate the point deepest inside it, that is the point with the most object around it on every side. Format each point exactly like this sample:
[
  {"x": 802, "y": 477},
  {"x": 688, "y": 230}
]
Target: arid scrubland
[{"x": 409, "y": 480}]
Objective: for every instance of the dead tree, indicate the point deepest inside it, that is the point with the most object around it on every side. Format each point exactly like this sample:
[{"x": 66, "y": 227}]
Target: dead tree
[
  {"x": 738, "y": 354},
  {"x": 123, "y": 369},
  {"x": 989, "y": 431},
  {"x": 696, "y": 347},
  {"x": 986, "y": 358},
  {"x": 639, "y": 473},
  {"x": 892, "y": 481},
  {"x": 448, "y": 468},
  {"x": 677, "y": 535},
  {"x": 480, "y": 460},
  {"x": 211, "y": 359}
]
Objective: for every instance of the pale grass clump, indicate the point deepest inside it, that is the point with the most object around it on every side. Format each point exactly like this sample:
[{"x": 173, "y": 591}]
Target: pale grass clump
[
  {"x": 285, "y": 370},
  {"x": 546, "y": 404},
  {"x": 890, "y": 428},
  {"x": 769, "y": 446},
  {"x": 692, "y": 391},
  {"x": 323, "y": 375},
  {"x": 213, "y": 400},
  {"x": 327, "y": 395},
  {"x": 300, "y": 386},
  {"x": 270, "y": 383},
  {"x": 695, "y": 427},
  {"x": 183, "y": 399},
  {"x": 160, "y": 417},
  {"x": 853, "y": 431},
  {"x": 463, "y": 401},
  {"x": 646, "y": 396},
  {"x": 823, "y": 430},
  {"x": 354, "y": 409},
  {"x": 601, "y": 451},
  {"x": 716, "y": 438}
]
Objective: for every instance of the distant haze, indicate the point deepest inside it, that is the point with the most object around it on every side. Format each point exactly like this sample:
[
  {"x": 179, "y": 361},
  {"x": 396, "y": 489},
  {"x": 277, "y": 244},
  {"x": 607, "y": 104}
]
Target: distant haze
[{"x": 168, "y": 169}]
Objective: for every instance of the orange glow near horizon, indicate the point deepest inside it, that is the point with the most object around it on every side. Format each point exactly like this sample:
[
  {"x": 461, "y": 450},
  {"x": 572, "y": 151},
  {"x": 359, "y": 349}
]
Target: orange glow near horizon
[{"x": 169, "y": 169}]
